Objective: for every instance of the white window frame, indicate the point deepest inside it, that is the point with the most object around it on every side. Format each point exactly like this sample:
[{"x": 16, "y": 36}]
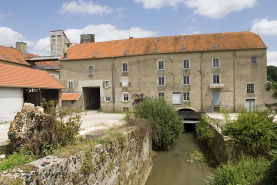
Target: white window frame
[
  {"x": 162, "y": 92},
  {"x": 72, "y": 84},
  {"x": 158, "y": 62},
  {"x": 184, "y": 60},
  {"x": 90, "y": 67},
  {"x": 188, "y": 79},
  {"x": 125, "y": 93},
  {"x": 213, "y": 66},
  {"x": 123, "y": 67},
  {"x": 107, "y": 97},
  {"x": 219, "y": 78},
  {"x": 249, "y": 92},
  {"x": 53, "y": 75},
  {"x": 187, "y": 99},
  {"x": 158, "y": 81},
  {"x": 106, "y": 84},
  {"x": 256, "y": 60}
]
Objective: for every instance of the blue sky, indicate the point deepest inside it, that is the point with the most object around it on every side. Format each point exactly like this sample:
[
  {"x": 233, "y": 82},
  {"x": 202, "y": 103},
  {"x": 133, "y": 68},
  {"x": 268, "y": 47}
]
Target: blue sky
[{"x": 32, "y": 20}]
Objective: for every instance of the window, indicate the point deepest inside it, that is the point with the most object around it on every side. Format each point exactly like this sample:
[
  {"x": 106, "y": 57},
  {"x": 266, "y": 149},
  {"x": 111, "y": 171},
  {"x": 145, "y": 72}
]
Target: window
[
  {"x": 58, "y": 76},
  {"x": 216, "y": 79},
  {"x": 125, "y": 82},
  {"x": 161, "y": 80},
  {"x": 53, "y": 75},
  {"x": 107, "y": 98},
  {"x": 124, "y": 67},
  {"x": 160, "y": 65},
  {"x": 215, "y": 62},
  {"x": 125, "y": 109},
  {"x": 107, "y": 84},
  {"x": 90, "y": 70},
  {"x": 53, "y": 36},
  {"x": 161, "y": 94},
  {"x": 186, "y": 80},
  {"x": 250, "y": 88},
  {"x": 125, "y": 97},
  {"x": 186, "y": 63},
  {"x": 58, "y": 35},
  {"x": 70, "y": 84},
  {"x": 254, "y": 60},
  {"x": 186, "y": 96}
]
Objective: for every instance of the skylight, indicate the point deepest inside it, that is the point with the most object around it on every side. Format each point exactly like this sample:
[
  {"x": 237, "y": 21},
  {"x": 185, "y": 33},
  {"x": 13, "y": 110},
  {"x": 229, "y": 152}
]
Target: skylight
[
  {"x": 185, "y": 37},
  {"x": 95, "y": 53},
  {"x": 4, "y": 56},
  {"x": 184, "y": 47},
  {"x": 155, "y": 50},
  {"x": 127, "y": 52}
]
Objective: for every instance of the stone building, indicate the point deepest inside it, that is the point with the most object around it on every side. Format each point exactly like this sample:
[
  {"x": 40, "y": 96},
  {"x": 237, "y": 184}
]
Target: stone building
[{"x": 202, "y": 72}]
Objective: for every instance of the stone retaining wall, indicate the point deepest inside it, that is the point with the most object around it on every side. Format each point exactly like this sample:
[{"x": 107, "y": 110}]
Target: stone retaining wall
[
  {"x": 121, "y": 160},
  {"x": 221, "y": 146}
]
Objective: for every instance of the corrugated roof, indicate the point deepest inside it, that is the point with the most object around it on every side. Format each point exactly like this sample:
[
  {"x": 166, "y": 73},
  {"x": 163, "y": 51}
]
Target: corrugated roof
[
  {"x": 70, "y": 96},
  {"x": 15, "y": 76},
  {"x": 167, "y": 44},
  {"x": 12, "y": 55}
]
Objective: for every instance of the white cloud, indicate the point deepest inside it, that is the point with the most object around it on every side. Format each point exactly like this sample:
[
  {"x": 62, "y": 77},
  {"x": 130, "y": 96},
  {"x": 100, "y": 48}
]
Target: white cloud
[
  {"x": 157, "y": 4},
  {"x": 272, "y": 58},
  {"x": 9, "y": 37},
  {"x": 209, "y": 8},
  {"x": 42, "y": 47},
  {"x": 196, "y": 32},
  {"x": 85, "y": 8},
  {"x": 218, "y": 8},
  {"x": 105, "y": 32},
  {"x": 265, "y": 27}
]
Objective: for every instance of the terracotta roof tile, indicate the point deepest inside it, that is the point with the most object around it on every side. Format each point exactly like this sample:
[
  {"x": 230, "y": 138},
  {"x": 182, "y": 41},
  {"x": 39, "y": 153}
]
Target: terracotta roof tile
[
  {"x": 167, "y": 44},
  {"x": 12, "y": 55},
  {"x": 15, "y": 76},
  {"x": 71, "y": 96}
]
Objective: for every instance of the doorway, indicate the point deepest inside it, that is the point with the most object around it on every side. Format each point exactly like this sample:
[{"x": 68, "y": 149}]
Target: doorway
[
  {"x": 250, "y": 105},
  {"x": 91, "y": 98}
]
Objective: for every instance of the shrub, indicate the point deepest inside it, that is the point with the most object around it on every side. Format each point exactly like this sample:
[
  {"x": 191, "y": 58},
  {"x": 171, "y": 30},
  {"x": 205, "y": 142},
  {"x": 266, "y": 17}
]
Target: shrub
[
  {"x": 272, "y": 172},
  {"x": 247, "y": 171},
  {"x": 165, "y": 116},
  {"x": 204, "y": 131},
  {"x": 17, "y": 159},
  {"x": 254, "y": 130}
]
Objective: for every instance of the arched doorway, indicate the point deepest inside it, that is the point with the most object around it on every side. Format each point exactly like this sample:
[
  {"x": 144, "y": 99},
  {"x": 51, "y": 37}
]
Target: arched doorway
[{"x": 190, "y": 116}]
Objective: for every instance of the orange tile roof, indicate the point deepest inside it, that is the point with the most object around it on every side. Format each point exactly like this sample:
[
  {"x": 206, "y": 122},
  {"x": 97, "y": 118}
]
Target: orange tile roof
[
  {"x": 167, "y": 44},
  {"x": 71, "y": 96},
  {"x": 12, "y": 55},
  {"x": 15, "y": 76}
]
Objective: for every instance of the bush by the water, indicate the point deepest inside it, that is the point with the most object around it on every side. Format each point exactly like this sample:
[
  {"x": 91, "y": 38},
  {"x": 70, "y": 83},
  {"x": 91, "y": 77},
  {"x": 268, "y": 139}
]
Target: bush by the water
[
  {"x": 165, "y": 116},
  {"x": 204, "y": 131},
  {"x": 255, "y": 131},
  {"x": 247, "y": 171}
]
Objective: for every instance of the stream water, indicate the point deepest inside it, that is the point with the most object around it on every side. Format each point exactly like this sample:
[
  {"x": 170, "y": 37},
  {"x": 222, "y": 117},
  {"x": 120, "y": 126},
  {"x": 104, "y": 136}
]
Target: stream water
[{"x": 189, "y": 161}]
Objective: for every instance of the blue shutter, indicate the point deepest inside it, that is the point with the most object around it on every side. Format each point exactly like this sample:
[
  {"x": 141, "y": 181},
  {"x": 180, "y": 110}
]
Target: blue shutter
[{"x": 216, "y": 97}]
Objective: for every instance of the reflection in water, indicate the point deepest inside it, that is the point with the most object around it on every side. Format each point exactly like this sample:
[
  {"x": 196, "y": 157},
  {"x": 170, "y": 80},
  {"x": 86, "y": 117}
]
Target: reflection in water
[{"x": 188, "y": 162}]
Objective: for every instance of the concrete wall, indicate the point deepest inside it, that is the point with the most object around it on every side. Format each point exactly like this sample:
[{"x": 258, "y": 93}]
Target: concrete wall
[
  {"x": 11, "y": 101},
  {"x": 143, "y": 74},
  {"x": 119, "y": 161}
]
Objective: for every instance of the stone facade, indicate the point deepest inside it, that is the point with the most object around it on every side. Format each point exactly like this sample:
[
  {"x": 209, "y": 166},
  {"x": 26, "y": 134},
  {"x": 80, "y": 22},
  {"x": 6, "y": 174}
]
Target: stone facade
[{"x": 122, "y": 160}]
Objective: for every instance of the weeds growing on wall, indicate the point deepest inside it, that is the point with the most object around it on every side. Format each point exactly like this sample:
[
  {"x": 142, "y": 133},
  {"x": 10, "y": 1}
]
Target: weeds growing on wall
[
  {"x": 17, "y": 159},
  {"x": 204, "y": 131},
  {"x": 157, "y": 110}
]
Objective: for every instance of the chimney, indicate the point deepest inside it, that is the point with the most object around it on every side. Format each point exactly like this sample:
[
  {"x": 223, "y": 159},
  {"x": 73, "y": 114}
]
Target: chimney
[
  {"x": 86, "y": 38},
  {"x": 22, "y": 48}
]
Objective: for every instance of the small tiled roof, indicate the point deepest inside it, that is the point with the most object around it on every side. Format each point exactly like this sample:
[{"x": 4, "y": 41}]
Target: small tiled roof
[
  {"x": 167, "y": 44},
  {"x": 71, "y": 96},
  {"x": 15, "y": 76},
  {"x": 12, "y": 55}
]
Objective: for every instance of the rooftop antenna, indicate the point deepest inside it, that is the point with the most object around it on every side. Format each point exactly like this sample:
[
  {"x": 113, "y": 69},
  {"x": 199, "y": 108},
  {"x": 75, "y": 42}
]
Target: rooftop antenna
[{"x": 129, "y": 28}]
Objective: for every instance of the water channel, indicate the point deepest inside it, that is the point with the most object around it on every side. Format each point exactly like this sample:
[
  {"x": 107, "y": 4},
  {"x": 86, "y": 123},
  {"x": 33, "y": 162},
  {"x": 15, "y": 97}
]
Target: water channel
[{"x": 188, "y": 162}]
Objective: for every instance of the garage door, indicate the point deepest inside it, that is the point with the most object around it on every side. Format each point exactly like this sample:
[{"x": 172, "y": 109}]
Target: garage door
[{"x": 11, "y": 101}]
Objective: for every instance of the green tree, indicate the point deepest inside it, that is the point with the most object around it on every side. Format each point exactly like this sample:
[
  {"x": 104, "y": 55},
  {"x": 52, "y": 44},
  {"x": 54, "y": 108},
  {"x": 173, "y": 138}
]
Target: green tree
[
  {"x": 165, "y": 116},
  {"x": 272, "y": 73}
]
